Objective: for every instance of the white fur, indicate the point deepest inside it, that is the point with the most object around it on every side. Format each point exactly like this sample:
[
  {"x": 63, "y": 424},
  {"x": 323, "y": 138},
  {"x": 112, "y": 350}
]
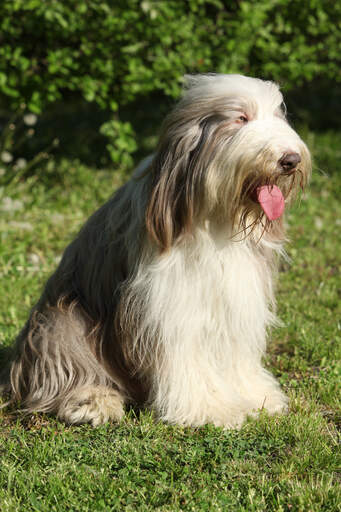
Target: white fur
[{"x": 209, "y": 306}]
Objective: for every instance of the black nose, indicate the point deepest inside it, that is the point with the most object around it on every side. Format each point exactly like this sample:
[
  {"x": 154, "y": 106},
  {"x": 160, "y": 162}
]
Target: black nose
[{"x": 289, "y": 161}]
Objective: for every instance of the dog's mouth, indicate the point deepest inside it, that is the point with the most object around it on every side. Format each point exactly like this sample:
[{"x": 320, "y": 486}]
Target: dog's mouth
[
  {"x": 272, "y": 192},
  {"x": 269, "y": 192},
  {"x": 265, "y": 193}
]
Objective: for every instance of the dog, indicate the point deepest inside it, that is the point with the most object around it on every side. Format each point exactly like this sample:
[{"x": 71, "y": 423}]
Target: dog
[{"x": 166, "y": 295}]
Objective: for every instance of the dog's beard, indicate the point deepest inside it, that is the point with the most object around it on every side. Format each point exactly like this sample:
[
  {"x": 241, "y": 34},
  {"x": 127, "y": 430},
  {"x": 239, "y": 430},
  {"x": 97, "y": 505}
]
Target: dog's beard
[{"x": 250, "y": 213}]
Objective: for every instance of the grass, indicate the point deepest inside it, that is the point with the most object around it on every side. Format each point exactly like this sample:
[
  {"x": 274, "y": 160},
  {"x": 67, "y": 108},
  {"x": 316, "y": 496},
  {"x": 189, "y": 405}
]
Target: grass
[{"x": 288, "y": 463}]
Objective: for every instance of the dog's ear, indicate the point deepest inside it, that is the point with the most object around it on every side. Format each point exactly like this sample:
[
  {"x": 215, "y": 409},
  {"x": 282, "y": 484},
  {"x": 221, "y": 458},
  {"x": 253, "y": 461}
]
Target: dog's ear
[{"x": 177, "y": 189}]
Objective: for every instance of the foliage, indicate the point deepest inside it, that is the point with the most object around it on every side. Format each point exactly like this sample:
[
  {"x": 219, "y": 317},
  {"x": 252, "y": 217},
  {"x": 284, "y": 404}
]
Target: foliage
[
  {"x": 288, "y": 463},
  {"x": 122, "y": 141},
  {"x": 113, "y": 53},
  {"x": 17, "y": 131}
]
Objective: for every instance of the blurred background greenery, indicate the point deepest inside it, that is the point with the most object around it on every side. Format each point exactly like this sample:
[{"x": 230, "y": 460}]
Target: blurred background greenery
[{"x": 91, "y": 80}]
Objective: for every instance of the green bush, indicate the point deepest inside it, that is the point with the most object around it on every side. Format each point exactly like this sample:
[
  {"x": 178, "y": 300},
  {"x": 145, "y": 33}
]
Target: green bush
[{"x": 112, "y": 52}]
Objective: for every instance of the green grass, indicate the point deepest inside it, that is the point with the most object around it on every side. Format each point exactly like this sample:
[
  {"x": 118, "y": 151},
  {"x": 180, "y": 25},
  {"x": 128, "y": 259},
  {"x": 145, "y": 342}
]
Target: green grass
[{"x": 288, "y": 463}]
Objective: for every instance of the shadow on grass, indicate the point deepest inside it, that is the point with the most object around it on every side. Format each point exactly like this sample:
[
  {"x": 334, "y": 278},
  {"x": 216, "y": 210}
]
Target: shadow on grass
[{"x": 5, "y": 357}]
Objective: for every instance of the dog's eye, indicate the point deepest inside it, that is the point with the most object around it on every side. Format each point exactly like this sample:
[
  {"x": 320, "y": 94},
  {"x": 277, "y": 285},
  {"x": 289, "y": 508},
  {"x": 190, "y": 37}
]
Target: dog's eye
[{"x": 243, "y": 119}]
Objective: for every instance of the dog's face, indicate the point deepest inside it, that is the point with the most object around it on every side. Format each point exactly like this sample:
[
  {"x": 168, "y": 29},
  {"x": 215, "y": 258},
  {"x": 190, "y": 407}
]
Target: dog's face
[{"x": 224, "y": 149}]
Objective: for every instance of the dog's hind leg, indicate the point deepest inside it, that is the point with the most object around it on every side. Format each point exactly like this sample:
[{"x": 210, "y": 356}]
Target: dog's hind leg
[{"x": 57, "y": 370}]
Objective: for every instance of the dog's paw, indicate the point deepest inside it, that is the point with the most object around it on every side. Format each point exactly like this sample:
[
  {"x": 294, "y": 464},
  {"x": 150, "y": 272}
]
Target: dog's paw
[
  {"x": 277, "y": 404},
  {"x": 234, "y": 419},
  {"x": 228, "y": 416},
  {"x": 92, "y": 404}
]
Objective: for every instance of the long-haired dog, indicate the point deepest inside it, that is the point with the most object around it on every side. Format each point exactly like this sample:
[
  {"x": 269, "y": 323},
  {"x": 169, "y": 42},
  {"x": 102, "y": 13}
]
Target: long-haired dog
[{"x": 166, "y": 295}]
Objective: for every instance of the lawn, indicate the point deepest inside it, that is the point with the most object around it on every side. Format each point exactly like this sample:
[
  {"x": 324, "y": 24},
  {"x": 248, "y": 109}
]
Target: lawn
[{"x": 288, "y": 463}]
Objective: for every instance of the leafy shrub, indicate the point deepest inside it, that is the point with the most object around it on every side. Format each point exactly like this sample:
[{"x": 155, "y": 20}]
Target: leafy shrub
[
  {"x": 19, "y": 129},
  {"x": 114, "y": 52}
]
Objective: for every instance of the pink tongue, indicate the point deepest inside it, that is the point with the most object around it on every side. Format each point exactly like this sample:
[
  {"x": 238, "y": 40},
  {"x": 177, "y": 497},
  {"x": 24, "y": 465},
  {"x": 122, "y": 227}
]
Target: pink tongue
[{"x": 271, "y": 200}]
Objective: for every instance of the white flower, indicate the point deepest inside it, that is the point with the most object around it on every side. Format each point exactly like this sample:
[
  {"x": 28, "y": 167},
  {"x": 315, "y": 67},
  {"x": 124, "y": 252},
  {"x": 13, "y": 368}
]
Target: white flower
[
  {"x": 30, "y": 119},
  {"x": 57, "y": 218},
  {"x": 33, "y": 258},
  {"x": 318, "y": 223},
  {"x": 6, "y": 157},
  {"x": 11, "y": 205},
  {"x": 20, "y": 163},
  {"x": 25, "y": 226}
]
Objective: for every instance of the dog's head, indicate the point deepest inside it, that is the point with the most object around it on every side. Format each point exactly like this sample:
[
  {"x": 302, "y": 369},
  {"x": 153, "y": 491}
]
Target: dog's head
[{"x": 227, "y": 155}]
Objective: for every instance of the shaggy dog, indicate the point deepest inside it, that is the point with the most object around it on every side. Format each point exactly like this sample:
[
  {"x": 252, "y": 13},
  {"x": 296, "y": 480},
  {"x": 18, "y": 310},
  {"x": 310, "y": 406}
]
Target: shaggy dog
[{"x": 166, "y": 295}]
